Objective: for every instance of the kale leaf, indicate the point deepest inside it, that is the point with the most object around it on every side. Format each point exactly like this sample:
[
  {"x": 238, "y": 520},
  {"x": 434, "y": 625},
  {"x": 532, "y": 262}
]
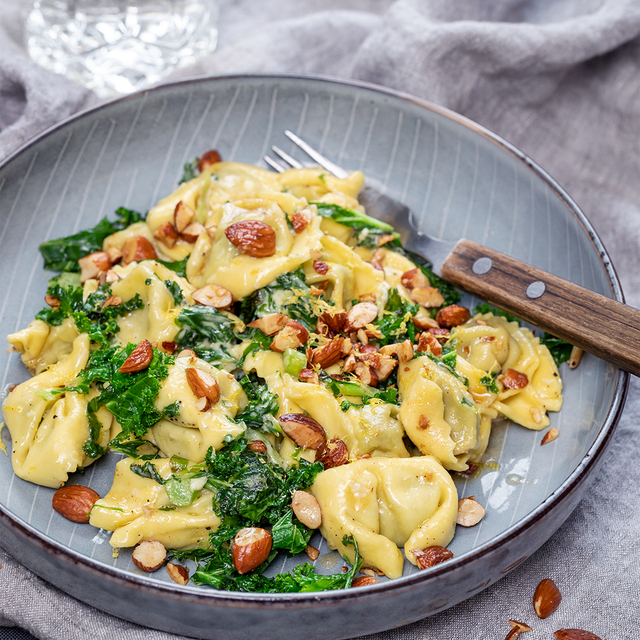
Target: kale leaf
[
  {"x": 395, "y": 324},
  {"x": 129, "y": 397},
  {"x": 62, "y": 254},
  {"x": 287, "y": 294},
  {"x": 262, "y": 402},
  {"x": 559, "y": 349},
  {"x": 89, "y": 315},
  {"x": 178, "y": 266},
  {"x": 351, "y": 217},
  {"x": 208, "y": 332},
  {"x": 175, "y": 291},
  {"x": 191, "y": 170}
]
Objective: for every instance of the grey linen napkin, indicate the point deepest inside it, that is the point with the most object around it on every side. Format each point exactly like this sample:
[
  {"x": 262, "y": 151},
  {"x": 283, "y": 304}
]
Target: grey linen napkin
[{"x": 560, "y": 79}]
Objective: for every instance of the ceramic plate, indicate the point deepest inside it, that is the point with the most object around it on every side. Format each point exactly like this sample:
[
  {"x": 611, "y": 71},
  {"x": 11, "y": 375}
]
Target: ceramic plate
[{"x": 461, "y": 180}]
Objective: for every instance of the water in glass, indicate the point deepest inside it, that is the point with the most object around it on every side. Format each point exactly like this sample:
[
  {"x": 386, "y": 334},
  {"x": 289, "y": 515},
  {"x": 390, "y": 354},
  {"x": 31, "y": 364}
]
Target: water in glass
[{"x": 113, "y": 46}]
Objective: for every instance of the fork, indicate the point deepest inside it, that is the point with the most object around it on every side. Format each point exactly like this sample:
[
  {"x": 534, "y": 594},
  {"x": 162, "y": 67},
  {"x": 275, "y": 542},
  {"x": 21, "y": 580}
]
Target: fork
[{"x": 604, "y": 327}]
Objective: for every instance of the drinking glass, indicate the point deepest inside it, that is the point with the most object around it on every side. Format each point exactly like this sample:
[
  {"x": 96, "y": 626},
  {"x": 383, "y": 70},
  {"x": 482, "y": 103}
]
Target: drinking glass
[{"x": 113, "y": 46}]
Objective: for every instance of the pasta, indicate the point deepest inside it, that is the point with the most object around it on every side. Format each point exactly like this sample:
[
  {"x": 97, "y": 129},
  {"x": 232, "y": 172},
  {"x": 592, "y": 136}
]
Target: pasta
[{"x": 269, "y": 359}]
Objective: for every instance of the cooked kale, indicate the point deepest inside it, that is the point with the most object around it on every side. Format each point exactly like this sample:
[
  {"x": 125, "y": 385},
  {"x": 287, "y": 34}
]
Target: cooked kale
[
  {"x": 175, "y": 291},
  {"x": 131, "y": 449},
  {"x": 250, "y": 491},
  {"x": 395, "y": 324},
  {"x": 129, "y": 397},
  {"x": 352, "y": 218},
  {"x": 287, "y": 294},
  {"x": 259, "y": 342},
  {"x": 208, "y": 332},
  {"x": 179, "y": 266},
  {"x": 489, "y": 381},
  {"x": 191, "y": 170},
  {"x": 262, "y": 403},
  {"x": 560, "y": 349},
  {"x": 62, "y": 254},
  {"x": 89, "y": 315}
]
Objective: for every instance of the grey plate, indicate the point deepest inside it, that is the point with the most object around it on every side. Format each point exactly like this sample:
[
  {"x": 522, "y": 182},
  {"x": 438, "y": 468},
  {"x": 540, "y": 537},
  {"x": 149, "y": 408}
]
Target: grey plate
[{"x": 460, "y": 179}]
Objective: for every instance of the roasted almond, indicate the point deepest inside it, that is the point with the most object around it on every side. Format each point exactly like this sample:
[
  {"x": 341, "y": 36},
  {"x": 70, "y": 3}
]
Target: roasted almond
[
  {"x": 208, "y": 158},
  {"x": 252, "y": 237},
  {"x": 213, "y": 295},
  {"x": 74, "y": 502},
  {"x": 250, "y": 548},
  {"x": 192, "y": 232},
  {"x": 178, "y": 573},
  {"x": 366, "y": 374},
  {"x": 292, "y": 336},
  {"x": 521, "y": 627},
  {"x": 312, "y": 553},
  {"x": 575, "y": 634},
  {"x": 452, "y": 316},
  {"x": 149, "y": 555},
  {"x": 386, "y": 237},
  {"x": 513, "y": 379},
  {"x": 94, "y": 264},
  {"x": 112, "y": 301},
  {"x": 470, "y": 512},
  {"x": 306, "y": 509},
  {"x": 203, "y": 385},
  {"x": 301, "y": 219},
  {"x": 333, "y": 453},
  {"x": 166, "y": 234},
  {"x": 327, "y": 354},
  {"x": 360, "y": 315},
  {"x": 321, "y": 267},
  {"x": 414, "y": 278},
  {"x": 51, "y": 301},
  {"x": 183, "y": 216},
  {"x": 425, "y": 322},
  {"x": 546, "y": 598},
  {"x": 550, "y": 436},
  {"x": 364, "y": 581},
  {"x": 270, "y": 324},
  {"x": 169, "y": 346},
  {"x": 428, "y": 297},
  {"x": 309, "y": 375},
  {"x": 187, "y": 353},
  {"x": 136, "y": 249},
  {"x": 139, "y": 359},
  {"x": 303, "y": 430},
  {"x": 257, "y": 446},
  {"x": 335, "y": 320},
  {"x": 428, "y": 342},
  {"x": 431, "y": 556}
]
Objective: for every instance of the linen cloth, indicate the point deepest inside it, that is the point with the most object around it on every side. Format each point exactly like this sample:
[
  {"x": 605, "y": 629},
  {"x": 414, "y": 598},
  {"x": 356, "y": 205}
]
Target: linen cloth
[{"x": 560, "y": 79}]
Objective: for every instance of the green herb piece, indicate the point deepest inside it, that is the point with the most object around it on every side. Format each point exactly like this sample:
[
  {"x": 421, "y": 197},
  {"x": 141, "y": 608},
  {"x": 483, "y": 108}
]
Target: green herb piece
[
  {"x": 172, "y": 410},
  {"x": 259, "y": 342},
  {"x": 559, "y": 349},
  {"x": 489, "y": 381},
  {"x": 294, "y": 362},
  {"x": 352, "y": 388},
  {"x": 178, "y": 266},
  {"x": 191, "y": 170},
  {"x": 351, "y": 217},
  {"x": 262, "y": 402},
  {"x": 175, "y": 291},
  {"x": 62, "y": 254},
  {"x": 131, "y": 447},
  {"x": 290, "y": 535},
  {"x": 147, "y": 470}
]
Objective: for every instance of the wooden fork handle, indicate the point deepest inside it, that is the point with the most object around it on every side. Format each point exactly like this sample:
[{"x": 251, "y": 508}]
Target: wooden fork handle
[{"x": 593, "y": 322}]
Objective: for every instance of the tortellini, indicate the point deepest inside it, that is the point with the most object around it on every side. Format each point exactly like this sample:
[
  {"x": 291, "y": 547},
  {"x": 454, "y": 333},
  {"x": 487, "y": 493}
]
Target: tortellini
[
  {"x": 386, "y": 504},
  {"x": 191, "y": 432},
  {"x": 495, "y": 345},
  {"x": 48, "y": 430},
  {"x": 438, "y": 412},
  {"x": 138, "y": 508}
]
